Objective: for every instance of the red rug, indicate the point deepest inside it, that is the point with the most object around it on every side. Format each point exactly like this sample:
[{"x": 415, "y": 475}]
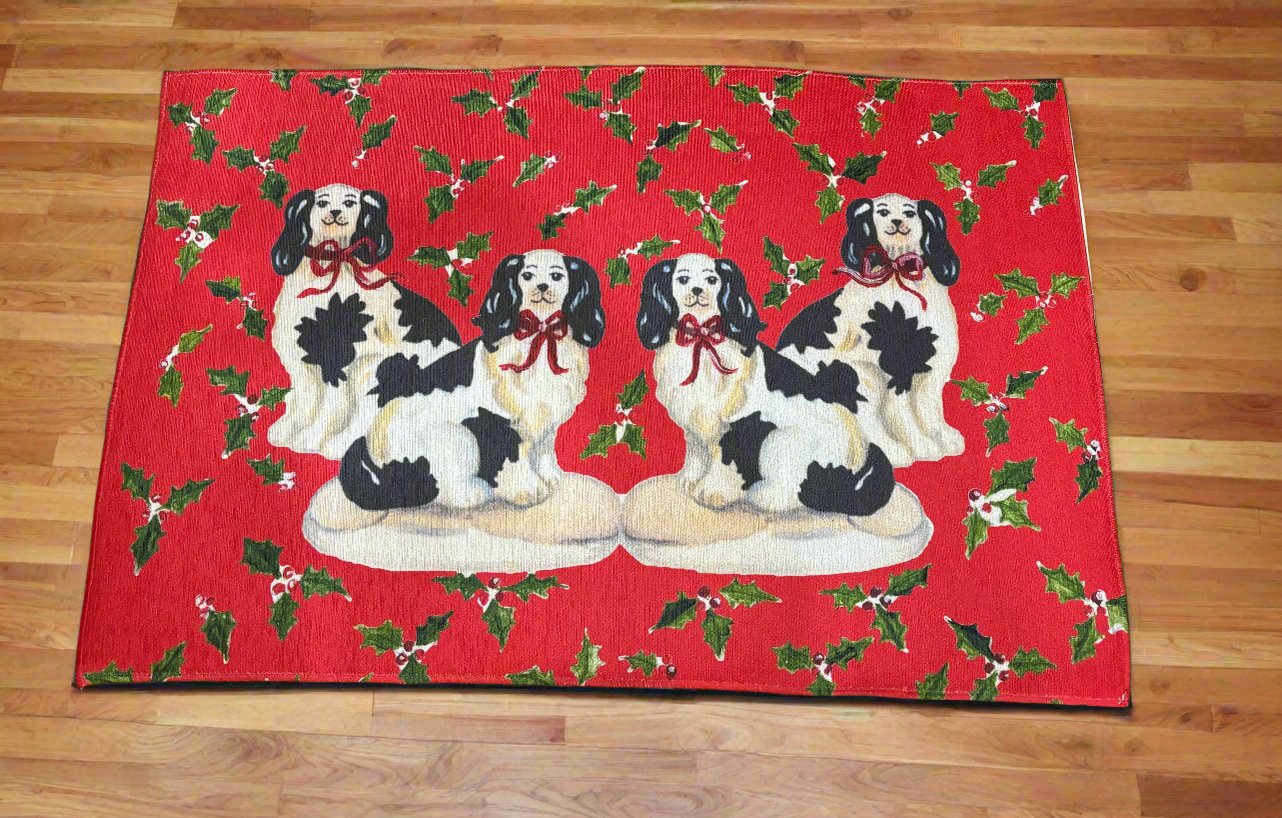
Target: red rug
[{"x": 714, "y": 378}]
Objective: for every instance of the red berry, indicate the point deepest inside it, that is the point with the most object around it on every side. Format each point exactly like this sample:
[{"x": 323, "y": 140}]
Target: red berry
[
  {"x": 866, "y": 605},
  {"x": 975, "y": 494},
  {"x": 1001, "y": 657},
  {"x": 705, "y": 592},
  {"x": 408, "y": 646},
  {"x": 819, "y": 658},
  {"x": 671, "y": 671},
  {"x": 498, "y": 598},
  {"x": 1004, "y": 675},
  {"x": 494, "y": 582},
  {"x": 715, "y": 602},
  {"x": 988, "y": 667},
  {"x": 986, "y": 508}
]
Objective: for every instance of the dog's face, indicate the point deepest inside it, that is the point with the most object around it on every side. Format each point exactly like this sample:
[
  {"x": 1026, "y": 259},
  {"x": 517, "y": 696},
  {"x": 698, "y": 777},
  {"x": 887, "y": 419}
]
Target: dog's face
[
  {"x": 335, "y": 213},
  {"x": 696, "y": 286},
  {"x": 897, "y": 222},
  {"x": 898, "y": 225},
  {"x": 544, "y": 281}
]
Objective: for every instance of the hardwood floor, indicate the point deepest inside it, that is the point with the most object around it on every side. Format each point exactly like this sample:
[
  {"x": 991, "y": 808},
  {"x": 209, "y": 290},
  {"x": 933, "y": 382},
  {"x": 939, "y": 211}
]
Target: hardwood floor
[{"x": 1177, "y": 114}]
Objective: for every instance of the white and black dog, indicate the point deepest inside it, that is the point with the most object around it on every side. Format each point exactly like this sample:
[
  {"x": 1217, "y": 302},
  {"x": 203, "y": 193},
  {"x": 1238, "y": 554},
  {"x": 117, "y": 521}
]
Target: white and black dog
[
  {"x": 894, "y": 323},
  {"x": 337, "y": 317},
  {"x": 759, "y": 428},
  {"x": 480, "y": 423}
]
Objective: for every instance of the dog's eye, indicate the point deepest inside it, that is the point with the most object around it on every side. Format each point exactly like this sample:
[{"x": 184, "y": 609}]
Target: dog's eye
[
  {"x": 910, "y": 214},
  {"x": 557, "y": 276},
  {"x": 527, "y": 276},
  {"x": 712, "y": 281},
  {"x": 349, "y": 204},
  {"x": 883, "y": 212},
  {"x": 683, "y": 280}
]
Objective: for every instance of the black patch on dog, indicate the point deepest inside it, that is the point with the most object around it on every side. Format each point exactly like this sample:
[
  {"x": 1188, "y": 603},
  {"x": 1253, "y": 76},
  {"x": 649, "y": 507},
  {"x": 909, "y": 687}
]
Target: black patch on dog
[
  {"x": 839, "y": 490},
  {"x": 906, "y": 349},
  {"x": 496, "y": 443},
  {"x": 811, "y": 327},
  {"x": 741, "y": 446},
  {"x": 398, "y": 484},
  {"x": 835, "y": 383},
  {"x": 401, "y": 377},
  {"x": 329, "y": 338},
  {"x": 424, "y": 320}
]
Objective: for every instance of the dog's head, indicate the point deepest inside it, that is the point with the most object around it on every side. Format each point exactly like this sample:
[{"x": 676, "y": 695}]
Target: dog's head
[
  {"x": 703, "y": 287},
  {"x": 543, "y": 281},
  {"x": 901, "y": 225},
  {"x": 333, "y": 213}
]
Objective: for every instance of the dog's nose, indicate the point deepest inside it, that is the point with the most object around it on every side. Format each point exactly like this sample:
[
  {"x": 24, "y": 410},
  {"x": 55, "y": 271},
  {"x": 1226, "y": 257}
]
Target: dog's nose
[
  {"x": 697, "y": 290},
  {"x": 896, "y": 222},
  {"x": 542, "y": 288},
  {"x": 335, "y": 213}
]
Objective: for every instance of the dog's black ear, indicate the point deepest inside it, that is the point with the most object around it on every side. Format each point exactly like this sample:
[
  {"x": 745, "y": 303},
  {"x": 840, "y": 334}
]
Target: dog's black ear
[
  {"x": 738, "y": 311},
  {"x": 936, "y": 250},
  {"x": 291, "y": 246},
  {"x": 861, "y": 233},
  {"x": 658, "y": 313},
  {"x": 502, "y": 303},
  {"x": 582, "y": 305},
  {"x": 372, "y": 224}
]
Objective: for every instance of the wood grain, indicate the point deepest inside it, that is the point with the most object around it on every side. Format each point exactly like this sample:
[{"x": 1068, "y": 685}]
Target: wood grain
[{"x": 1177, "y": 110}]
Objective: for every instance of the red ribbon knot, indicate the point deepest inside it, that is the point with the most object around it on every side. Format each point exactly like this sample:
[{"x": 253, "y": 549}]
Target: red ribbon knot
[
  {"x": 328, "y": 258},
  {"x": 878, "y": 268},
  {"x": 706, "y": 336},
  {"x": 548, "y": 331}
]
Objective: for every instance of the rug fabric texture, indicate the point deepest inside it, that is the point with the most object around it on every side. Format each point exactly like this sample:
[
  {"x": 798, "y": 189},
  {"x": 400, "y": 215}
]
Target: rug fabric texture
[{"x": 714, "y": 378}]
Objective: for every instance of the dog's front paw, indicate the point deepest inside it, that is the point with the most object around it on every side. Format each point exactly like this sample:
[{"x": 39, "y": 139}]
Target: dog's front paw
[
  {"x": 717, "y": 490},
  {"x": 522, "y": 487}
]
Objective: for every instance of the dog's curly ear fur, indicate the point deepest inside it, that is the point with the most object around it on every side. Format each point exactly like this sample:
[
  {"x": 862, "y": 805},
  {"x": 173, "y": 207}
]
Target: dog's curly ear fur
[
  {"x": 296, "y": 235},
  {"x": 936, "y": 250},
  {"x": 861, "y": 233},
  {"x": 658, "y": 313},
  {"x": 372, "y": 224},
  {"x": 502, "y": 303},
  {"x": 738, "y": 311},
  {"x": 582, "y": 305}
]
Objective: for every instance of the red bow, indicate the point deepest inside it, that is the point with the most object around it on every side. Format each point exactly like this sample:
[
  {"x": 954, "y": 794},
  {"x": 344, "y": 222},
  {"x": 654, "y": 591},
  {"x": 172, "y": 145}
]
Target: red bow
[
  {"x": 908, "y": 266},
  {"x": 548, "y": 331},
  {"x": 705, "y": 336},
  {"x": 328, "y": 259}
]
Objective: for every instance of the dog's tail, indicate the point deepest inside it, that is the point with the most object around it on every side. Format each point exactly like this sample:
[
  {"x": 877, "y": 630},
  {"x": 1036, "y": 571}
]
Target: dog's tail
[
  {"x": 397, "y": 484},
  {"x": 840, "y": 490}
]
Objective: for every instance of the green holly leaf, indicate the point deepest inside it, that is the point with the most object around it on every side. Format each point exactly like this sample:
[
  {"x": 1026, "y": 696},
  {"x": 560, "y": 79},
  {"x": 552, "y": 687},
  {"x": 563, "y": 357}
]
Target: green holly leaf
[
  {"x": 721, "y": 140},
  {"x": 673, "y": 135},
  {"x": 814, "y": 158},
  {"x": 254, "y": 323},
  {"x": 644, "y": 661},
  {"x": 283, "y": 77},
  {"x": 1083, "y": 641},
  {"x": 1034, "y": 131},
  {"x": 1018, "y": 385},
  {"x": 1064, "y": 284},
  {"x": 287, "y": 144},
  {"x": 170, "y": 665},
  {"x": 188, "y": 257},
  {"x": 716, "y": 632},
  {"x": 862, "y": 166},
  {"x": 961, "y": 87},
  {"x": 625, "y": 86},
  {"x": 322, "y": 583},
  {"x": 714, "y": 73},
  {"x": 723, "y": 197},
  {"x": 620, "y": 124},
  {"x": 985, "y": 689},
  {"x": 172, "y": 214},
  {"x": 1020, "y": 284},
  {"x": 373, "y": 76},
  {"x": 440, "y": 200},
  {"x": 586, "y": 198},
  {"x": 282, "y": 617},
  {"x": 846, "y": 651},
  {"x": 273, "y": 188},
  {"x": 976, "y": 532},
  {"x": 532, "y": 168},
  {"x": 808, "y": 269},
  {"x": 934, "y": 686},
  {"x": 473, "y": 244},
  {"x": 135, "y": 482},
  {"x": 530, "y": 585},
  {"x": 599, "y": 442},
  {"x": 377, "y": 133},
  {"x": 829, "y": 201},
  {"x": 272, "y": 396},
  {"x": 460, "y": 287},
  {"x": 434, "y": 161},
  {"x": 1049, "y": 192},
  {"x": 552, "y": 225},
  {"x": 217, "y": 629},
  {"x": 203, "y": 144},
  {"x": 971, "y": 642},
  {"x": 648, "y": 170},
  {"x": 905, "y": 583},
  {"x": 891, "y": 627},
  {"x": 182, "y": 496},
  {"x": 1088, "y": 477},
  {"x": 710, "y": 228},
  {"x": 261, "y": 557},
  {"x": 587, "y": 662},
  {"x": 1014, "y": 474},
  {"x": 943, "y": 123},
  {"x": 870, "y": 121},
  {"x": 887, "y": 88},
  {"x": 476, "y": 169},
  {"x": 110, "y": 675},
  {"x": 517, "y": 121},
  {"x": 1015, "y": 513},
  {"x": 231, "y": 381},
  {"x": 747, "y": 94},
  {"x": 1069, "y": 434},
  {"x": 967, "y": 215},
  {"x": 1030, "y": 661},
  {"x": 739, "y": 594},
  {"x": 634, "y": 392},
  {"x": 1002, "y": 100},
  {"x": 499, "y": 621},
  {"x": 846, "y": 597},
  {"x": 857, "y": 81},
  {"x": 272, "y": 471},
  {"x": 532, "y": 677},
  {"x": 677, "y": 614},
  {"x": 784, "y": 121},
  {"x": 217, "y": 219},
  {"x": 429, "y": 633},
  {"x": 330, "y": 84},
  {"x": 996, "y": 431},
  {"x": 973, "y": 390},
  {"x": 435, "y": 256},
  {"x": 992, "y": 174},
  {"x": 146, "y": 542},
  {"x": 1030, "y": 323},
  {"x": 584, "y": 98},
  {"x": 466, "y": 585},
  {"x": 787, "y": 85},
  {"x": 948, "y": 174},
  {"x": 240, "y": 158},
  {"x": 774, "y": 255},
  {"x": 634, "y": 438},
  {"x": 1066, "y": 586},
  {"x": 793, "y": 659},
  {"x": 1119, "y": 618},
  {"x": 822, "y": 686},
  {"x": 383, "y": 638},
  {"x": 687, "y": 200},
  {"x": 776, "y": 295},
  {"x": 991, "y": 303},
  {"x": 654, "y": 246},
  {"x": 414, "y": 672},
  {"x": 219, "y": 101},
  {"x": 476, "y": 102},
  {"x": 237, "y": 432},
  {"x": 618, "y": 271},
  {"x": 179, "y": 114},
  {"x": 1045, "y": 90}
]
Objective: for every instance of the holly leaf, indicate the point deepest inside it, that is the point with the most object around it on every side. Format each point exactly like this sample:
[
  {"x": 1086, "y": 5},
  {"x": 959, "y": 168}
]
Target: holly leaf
[
  {"x": 517, "y": 121},
  {"x": 793, "y": 659},
  {"x": 1118, "y": 615},
  {"x": 188, "y": 257},
  {"x": 887, "y": 88},
  {"x": 217, "y": 219},
  {"x": 286, "y": 145},
  {"x": 943, "y": 123},
  {"x": 599, "y": 442},
  {"x": 846, "y": 597},
  {"x": 1018, "y": 385},
  {"x": 870, "y": 121},
  {"x": 217, "y": 629},
  {"x": 1015, "y": 513},
  {"x": 1064, "y": 284},
  {"x": 620, "y": 124},
  {"x": 822, "y": 686},
  {"x": 146, "y": 542},
  {"x": 377, "y": 133},
  {"x": 967, "y": 215},
  {"x": 231, "y": 381},
  {"x": 992, "y": 174},
  {"x": 435, "y": 256},
  {"x": 1002, "y": 100},
  {"x": 329, "y": 84},
  {"x": 783, "y": 121},
  {"x": 1049, "y": 192},
  {"x": 1069, "y": 434},
  {"x": 587, "y": 662},
  {"x": 787, "y": 85},
  {"x": 710, "y": 228},
  {"x": 976, "y": 532},
  {"x": 677, "y": 614},
  {"x": 530, "y": 585},
  {"x": 1045, "y": 90},
  {"x": 172, "y": 214},
  {"x": 862, "y": 166},
  {"x": 135, "y": 482},
  {"x": 975, "y": 391},
  {"x": 1014, "y": 474},
  {"x": 1088, "y": 477},
  {"x": 237, "y": 432},
  {"x": 584, "y": 98},
  {"x": 282, "y": 617},
  {"x": 626, "y": 85},
  {"x": 1066, "y": 586},
  {"x": 654, "y": 246},
  {"x": 814, "y": 158},
  {"x": 991, "y": 303},
  {"x": 846, "y": 651},
  {"x": 283, "y": 77},
  {"x": 272, "y": 471},
  {"x": 905, "y": 583},
  {"x": 1020, "y": 284},
  {"x": 985, "y": 689},
  {"x": 723, "y": 197},
  {"x": 673, "y": 135},
  {"x": 434, "y": 161},
  {"x": 970, "y": 641},
  {"x": 1082, "y": 642},
  {"x": 476, "y": 169},
  {"x": 586, "y": 198},
  {"x": 891, "y": 627},
  {"x": 996, "y": 431},
  {"x": 960, "y": 87},
  {"x": 716, "y": 632},
  {"x": 414, "y": 672},
  {"x": 383, "y": 638},
  {"x": 739, "y": 594},
  {"x": 721, "y": 140},
  {"x": 466, "y": 585},
  {"x": 473, "y": 244},
  {"x": 110, "y": 675},
  {"x": 475, "y": 102},
  {"x": 688, "y": 200},
  {"x": 808, "y": 269},
  {"x": 261, "y": 557},
  {"x": 322, "y": 583},
  {"x": 254, "y": 323},
  {"x": 1030, "y": 323},
  {"x": 648, "y": 170},
  {"x": 634, "y": 438},
  {"x": 1034, "y": 131},
  {"x": 499, "y": 620},
  {"x": 1030, "y": 661},
  {"x": 774, "y": 255},
  {"x": 169, "y": 666},
  {"x": 776, "y": 295},
  {"x": 533, "y": 677},
  {"x": 179, "y": 114},
  {"x": 429, "y": 633},
  {"x": 218, "y": 101},
  {"x": 532, "y": 168},
  {"x": 272, "y": 396},
  {"x": 240, "y": 158},
  {"x": 747, "y": 94},
  {"x": 934, "y": 686},
  {"x": 373, "y": 76},
  {"x": 829, "y": 201},
  {"x": 440, "y": 200},
  {"x": 203, "y": 144},
  {"x": 182, "y": 496},
  {"x": 644, "y": 661},
  {"x": 634, "y": 392},
  {"x": 714, "y": 73},
  {"x": 948, "y": 174},
  {"x": 273, "y": 188}
]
